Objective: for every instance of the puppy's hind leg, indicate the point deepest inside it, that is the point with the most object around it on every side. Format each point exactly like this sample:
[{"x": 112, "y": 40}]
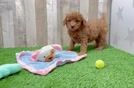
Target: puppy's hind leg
[{"x": 100, "y": 42}]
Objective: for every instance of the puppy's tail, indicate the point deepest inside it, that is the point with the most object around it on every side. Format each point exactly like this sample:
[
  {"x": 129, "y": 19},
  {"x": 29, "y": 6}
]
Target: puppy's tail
[{"x": 103, "y": 17}]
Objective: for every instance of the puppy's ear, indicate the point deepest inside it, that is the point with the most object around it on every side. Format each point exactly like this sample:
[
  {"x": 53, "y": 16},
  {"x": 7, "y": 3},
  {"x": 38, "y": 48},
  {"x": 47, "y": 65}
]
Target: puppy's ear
[
  {"x": 65, "y": 21},
  {"x": 83, "y": 21}
]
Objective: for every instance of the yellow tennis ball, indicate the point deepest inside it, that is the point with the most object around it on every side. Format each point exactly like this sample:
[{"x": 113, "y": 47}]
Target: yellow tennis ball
[{"x": 99, "y": 64}]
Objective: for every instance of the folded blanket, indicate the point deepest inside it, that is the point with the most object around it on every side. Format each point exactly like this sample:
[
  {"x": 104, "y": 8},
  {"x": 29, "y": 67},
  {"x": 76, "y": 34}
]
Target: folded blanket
[{"x": 43, "y": 68}]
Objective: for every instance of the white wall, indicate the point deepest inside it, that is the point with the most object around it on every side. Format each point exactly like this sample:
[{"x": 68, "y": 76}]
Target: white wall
[{"x": 122, "y": 25}]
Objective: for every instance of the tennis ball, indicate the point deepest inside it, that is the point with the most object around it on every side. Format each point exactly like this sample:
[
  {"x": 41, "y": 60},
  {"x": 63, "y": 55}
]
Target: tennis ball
[{"x": 99, "y": 64}]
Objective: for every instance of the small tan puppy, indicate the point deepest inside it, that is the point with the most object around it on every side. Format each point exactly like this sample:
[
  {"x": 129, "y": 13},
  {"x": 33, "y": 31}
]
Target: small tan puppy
[{"x": 82, "y": 32}]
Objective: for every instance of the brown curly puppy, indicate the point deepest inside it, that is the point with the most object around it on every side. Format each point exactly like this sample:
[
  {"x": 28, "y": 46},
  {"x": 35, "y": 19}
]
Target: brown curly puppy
[{"x": 81, "y": 31}]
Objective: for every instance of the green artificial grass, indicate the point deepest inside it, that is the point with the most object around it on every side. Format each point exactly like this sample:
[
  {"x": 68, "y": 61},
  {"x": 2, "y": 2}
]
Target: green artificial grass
[{"x": 118, "y": 73}]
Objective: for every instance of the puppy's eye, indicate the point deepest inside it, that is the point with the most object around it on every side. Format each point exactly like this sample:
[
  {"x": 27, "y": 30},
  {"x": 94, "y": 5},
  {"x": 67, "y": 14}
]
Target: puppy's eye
[
  {"x": 77, "y": 21},
  {"x": 68, "y": 20}
]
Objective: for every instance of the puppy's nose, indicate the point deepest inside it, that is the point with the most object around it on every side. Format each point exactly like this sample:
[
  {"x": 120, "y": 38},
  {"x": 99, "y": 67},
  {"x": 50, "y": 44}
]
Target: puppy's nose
[{"x": 72, "y": 26}]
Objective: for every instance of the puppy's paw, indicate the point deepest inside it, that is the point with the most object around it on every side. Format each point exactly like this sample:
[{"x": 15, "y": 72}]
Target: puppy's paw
[
  {"x": 69, "y": 49},
  {"x": 99, "y": 48},
  {"x": 81, "y": 53}
]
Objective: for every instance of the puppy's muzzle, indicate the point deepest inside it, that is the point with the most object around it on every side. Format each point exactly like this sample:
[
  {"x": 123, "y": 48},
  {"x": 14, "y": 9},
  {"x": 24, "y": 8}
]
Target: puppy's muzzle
[{"x": 73, "y": 24}]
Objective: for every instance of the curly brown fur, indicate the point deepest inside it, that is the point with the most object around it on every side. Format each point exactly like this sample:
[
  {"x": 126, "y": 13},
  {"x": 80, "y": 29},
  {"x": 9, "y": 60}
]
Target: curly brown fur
[{"x": 81, "y": 31}]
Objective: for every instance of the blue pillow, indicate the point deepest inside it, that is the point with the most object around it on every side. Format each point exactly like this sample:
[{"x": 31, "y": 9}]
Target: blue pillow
[
  {"x": 8, "y": 69},
  {"x": 13, "y": 68},
  {"x": 4, "y": 72},
  {"x": 1, "y": 75}
]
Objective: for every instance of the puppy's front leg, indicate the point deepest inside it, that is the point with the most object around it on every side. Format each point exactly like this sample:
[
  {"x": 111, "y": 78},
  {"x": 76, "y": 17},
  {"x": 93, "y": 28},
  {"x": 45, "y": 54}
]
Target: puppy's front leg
[
  {"x": 83, "y": 48},
  {"x": 71, "y": 45}
]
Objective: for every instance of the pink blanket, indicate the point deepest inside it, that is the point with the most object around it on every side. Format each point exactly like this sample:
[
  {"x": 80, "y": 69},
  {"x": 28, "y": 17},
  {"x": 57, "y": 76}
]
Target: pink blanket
[{"x": 43, "y": 68}]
